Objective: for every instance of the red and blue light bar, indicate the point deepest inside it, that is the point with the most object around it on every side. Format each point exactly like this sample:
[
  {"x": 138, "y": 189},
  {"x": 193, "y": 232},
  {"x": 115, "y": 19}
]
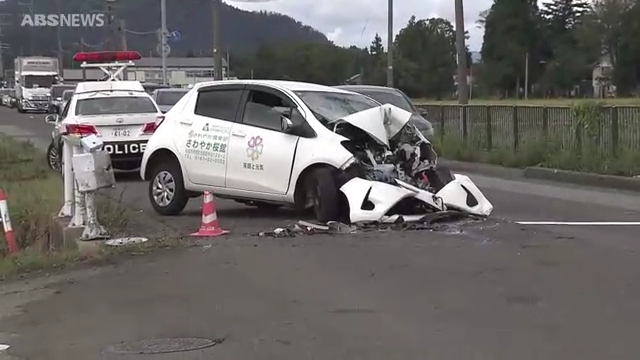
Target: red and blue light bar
[{"x": 106, "y": 56}]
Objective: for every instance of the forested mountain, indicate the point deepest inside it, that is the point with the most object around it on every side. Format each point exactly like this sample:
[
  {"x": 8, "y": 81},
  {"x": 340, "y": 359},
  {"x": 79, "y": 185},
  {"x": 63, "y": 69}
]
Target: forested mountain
[{"x": 243, "y": 31}]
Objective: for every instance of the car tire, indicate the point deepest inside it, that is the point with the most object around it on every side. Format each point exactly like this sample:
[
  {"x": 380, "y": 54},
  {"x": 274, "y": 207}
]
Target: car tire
[
  {"x": 325, "y": 195},
  {"x": 54, "y": 158},
  {"x": 167, "y": 175},
  {"x": 440, "y": 177}
]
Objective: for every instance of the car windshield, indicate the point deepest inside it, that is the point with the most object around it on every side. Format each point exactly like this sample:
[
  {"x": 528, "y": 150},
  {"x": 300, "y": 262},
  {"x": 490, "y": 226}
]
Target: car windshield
[
  {"x": 57, "y": 91},
  {"x": 42, "y": 81},
  {"x": 330, "y": 106},
  {"x": 169, "y": 97},
  {"x": 390, "y": 96},
  {"x": 67, "y": 95},
  {"x": 115, "y": 105}
]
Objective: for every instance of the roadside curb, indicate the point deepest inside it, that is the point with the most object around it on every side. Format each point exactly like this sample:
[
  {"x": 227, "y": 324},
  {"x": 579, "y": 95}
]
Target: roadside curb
[
  {"x": 589, "y": 179},
  {"x": 548, "y": 174},
  {"x": 482, "y": 169}
]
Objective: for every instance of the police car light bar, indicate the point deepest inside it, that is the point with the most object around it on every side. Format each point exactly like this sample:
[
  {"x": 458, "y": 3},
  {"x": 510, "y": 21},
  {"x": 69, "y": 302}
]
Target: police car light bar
[
  {"x": 112, "y": 63},
  {"x": 107, "y": 56}
]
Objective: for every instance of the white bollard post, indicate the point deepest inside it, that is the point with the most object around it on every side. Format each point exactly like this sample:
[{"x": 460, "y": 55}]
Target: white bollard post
[
  {"x": 68, "y": 209},
  {"x": 78, "y": 219},
  {"x": 93, "y": 230}
]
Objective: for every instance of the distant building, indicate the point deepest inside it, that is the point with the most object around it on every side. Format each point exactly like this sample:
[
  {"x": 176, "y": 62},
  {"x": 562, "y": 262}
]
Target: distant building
[
  {"x": 601, "y": 78},
  {"x": 180, "y": 71}
]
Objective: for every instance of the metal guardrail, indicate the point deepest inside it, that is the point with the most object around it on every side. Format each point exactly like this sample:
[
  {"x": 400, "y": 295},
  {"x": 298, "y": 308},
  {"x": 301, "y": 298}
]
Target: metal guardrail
[{"x": 500, "y": 127}]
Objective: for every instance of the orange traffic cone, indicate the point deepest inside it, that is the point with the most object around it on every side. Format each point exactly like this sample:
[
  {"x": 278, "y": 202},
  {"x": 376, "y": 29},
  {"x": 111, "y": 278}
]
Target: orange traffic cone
[{"x": 209, "y": 226}]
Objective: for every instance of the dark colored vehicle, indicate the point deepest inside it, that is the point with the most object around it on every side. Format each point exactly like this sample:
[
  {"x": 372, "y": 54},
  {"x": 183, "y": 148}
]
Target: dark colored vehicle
[
  {"x": 386, "y": 95},
  {"x": 166, "y": 98},
  {"x": 55, "y": 101},
  {"x": 151, "y": 87}
]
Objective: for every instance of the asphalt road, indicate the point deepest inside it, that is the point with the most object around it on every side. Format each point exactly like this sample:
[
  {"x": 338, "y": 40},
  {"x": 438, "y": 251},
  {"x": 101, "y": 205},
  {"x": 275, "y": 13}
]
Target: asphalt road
[{"x": 489, "y": 290}]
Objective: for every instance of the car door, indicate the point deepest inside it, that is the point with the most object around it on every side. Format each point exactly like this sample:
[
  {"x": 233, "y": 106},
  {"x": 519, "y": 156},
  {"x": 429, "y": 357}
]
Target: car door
[
  {"x": 260, "y": 154},
  {"x": 204, "y": 130}
]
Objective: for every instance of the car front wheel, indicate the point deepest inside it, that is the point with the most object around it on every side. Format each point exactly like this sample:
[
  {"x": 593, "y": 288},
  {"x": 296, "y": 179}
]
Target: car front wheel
[
  {"x": 166, "y": 189},
  {"x": 324, "y": 195}
]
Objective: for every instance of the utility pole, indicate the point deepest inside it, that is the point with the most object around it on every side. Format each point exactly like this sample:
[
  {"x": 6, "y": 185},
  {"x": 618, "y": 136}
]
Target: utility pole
[
  {"x": 29, "y": 6},
  {"x": 84, "y": 70},
  {"x": 108, "y": 44},
  {"x": 163, "y": 39},
  {"x": 1, "y": 48},
  {"x": 122, "y": 28},
  {"x": 390, "y": 44},
  {"x": 217, "y": 55},
  {"x": 463, "y": 92},
  {"x": 526, "y": 77},
  {"x": 59, "y": 38}
]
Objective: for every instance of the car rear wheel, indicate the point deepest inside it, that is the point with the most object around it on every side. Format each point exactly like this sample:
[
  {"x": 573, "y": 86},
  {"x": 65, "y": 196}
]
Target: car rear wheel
[
  {"x": 166, "y": 189},
  {"x": 54, "y": 158},
  {"x": 324, "y": 195}
]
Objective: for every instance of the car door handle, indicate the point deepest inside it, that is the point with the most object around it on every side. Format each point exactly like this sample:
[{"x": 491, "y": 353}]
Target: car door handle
[
  {"x": 186, "y": 122},
  {"x": 239, "y": 134}
]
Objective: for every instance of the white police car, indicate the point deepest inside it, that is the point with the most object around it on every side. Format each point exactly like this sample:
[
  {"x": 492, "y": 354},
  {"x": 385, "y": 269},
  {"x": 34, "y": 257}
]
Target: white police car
[{"x": 121, "y": 113}]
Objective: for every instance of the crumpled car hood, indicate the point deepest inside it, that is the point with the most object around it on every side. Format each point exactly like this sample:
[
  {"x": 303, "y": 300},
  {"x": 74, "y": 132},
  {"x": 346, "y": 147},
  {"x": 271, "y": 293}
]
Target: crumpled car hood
[
  {"x": 381, "y": 123},
  {"x": 395, "y": 172}
]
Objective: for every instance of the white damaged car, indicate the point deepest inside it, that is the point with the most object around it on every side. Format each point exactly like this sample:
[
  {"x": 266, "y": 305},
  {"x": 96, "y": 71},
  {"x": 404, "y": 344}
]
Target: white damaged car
[{"x": 272, "y": 143}]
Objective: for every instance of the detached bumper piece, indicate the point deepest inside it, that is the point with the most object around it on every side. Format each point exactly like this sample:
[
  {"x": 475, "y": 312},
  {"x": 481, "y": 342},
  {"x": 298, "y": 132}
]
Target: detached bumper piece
[{"x": 378, "y": 202}]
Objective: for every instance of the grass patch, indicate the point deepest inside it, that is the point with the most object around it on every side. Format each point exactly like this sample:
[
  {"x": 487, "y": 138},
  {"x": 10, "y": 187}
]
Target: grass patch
[
  {"x": 34, "y": 194},
  {"x": 541, "y": 153},
  {"x": 532, "y": 102},
  {"x": 32, "y": 260}
]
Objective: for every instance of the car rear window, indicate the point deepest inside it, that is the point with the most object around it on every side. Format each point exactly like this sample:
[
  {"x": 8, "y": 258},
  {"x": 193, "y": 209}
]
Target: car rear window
[
  {"x": 150, "y": 88},
  {"x": 115, "y": 105},
  {"x": 389, "y": 97},
  {"x": 57, "y": 91},
  {"x": 170, "y": 97}
]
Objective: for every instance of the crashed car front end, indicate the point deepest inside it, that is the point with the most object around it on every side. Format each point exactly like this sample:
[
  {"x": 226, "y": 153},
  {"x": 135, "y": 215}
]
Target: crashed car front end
[{"x": 395, "y": 171}]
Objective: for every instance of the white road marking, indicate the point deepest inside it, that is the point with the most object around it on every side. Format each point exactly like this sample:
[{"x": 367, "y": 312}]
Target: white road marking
[
  {"x": 3, "y": 347},
  {"x": 581, "y": 223}
]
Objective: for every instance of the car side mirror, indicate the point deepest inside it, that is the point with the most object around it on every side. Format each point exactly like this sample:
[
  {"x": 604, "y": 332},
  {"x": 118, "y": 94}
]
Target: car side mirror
[
  {"x": 423, "y": 111},
  {"x": 51, "y": 118},
  {"x": 286, "y": 124}
]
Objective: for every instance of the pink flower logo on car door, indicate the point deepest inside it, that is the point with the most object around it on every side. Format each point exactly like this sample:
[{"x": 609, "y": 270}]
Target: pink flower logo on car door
[{"x": 254, "y": 149}]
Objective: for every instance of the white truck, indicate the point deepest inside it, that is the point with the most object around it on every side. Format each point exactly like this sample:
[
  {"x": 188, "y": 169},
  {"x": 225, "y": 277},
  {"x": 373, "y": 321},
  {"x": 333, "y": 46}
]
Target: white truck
[{"x": 34, "y": 76}]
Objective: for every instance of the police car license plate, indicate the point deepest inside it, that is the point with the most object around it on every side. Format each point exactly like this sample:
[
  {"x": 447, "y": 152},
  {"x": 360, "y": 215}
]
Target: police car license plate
[
  {"x": 120, "y": 133},
  {"x": 125, "y": 148}
]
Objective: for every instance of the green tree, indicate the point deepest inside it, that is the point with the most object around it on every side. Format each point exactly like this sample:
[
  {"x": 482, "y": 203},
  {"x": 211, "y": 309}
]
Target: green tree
[
  {"x": 618, "y": 25},
  {"x": 426, "y": 51},
  {"x": 512, "y": 33},
  {"x": 376, "y": 49},
  {"x": 565, "y": 63},
  {"x": 376, "y": 71}
]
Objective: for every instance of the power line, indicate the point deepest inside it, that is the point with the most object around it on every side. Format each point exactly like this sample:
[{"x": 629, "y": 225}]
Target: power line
[
  {"x": 141, "y": 32},
  {"x": 91, "y": 46}
]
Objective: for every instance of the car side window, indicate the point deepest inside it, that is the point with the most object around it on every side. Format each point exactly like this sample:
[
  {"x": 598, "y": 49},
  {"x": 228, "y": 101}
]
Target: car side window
[
  {"x": 265, "y": 110},
  {"x": 218, "y": 104},
  {"x": 66, "y": 110}
]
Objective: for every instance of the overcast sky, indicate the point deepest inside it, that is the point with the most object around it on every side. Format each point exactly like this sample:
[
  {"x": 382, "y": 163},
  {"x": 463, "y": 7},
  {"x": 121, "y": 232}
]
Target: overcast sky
[{"x": 355, "y": 22}]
